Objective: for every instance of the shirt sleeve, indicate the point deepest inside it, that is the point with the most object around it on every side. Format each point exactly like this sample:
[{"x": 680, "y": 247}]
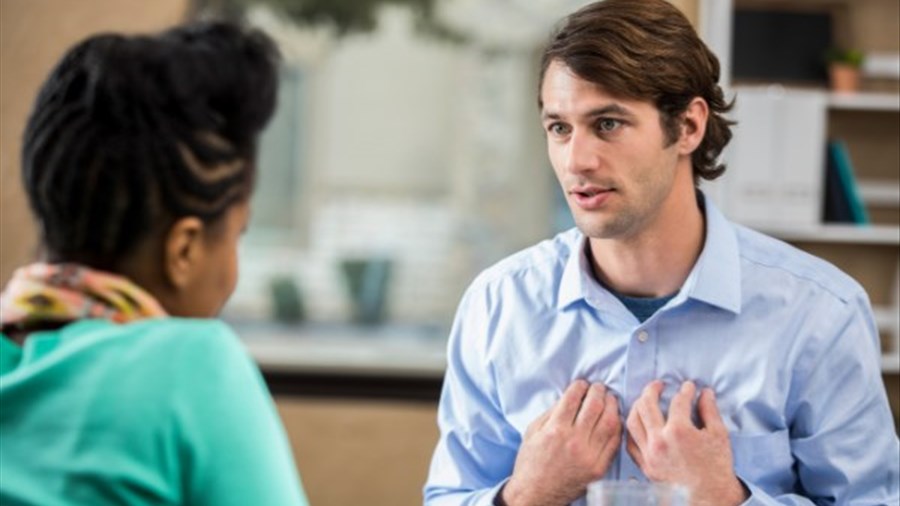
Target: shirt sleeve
[
  {"x": 233, "y": 446},
  {"x": 477, "y": 446},
  {"x": 841, "y": 428}
]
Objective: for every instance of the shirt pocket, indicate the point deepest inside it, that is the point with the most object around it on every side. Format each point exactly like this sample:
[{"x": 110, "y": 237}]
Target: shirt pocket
[{"x": 764, "y": 460}]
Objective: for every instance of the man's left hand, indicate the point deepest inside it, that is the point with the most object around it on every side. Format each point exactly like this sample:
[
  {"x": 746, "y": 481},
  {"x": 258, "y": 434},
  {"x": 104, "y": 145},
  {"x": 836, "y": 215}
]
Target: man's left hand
[{"x": 675, "y": 451}]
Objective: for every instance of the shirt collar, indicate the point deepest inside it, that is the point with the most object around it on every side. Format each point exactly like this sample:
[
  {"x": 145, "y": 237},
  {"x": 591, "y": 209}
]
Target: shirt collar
[
  {"x": 715, "y": 278},
  {"x": 573, "y": 285}
]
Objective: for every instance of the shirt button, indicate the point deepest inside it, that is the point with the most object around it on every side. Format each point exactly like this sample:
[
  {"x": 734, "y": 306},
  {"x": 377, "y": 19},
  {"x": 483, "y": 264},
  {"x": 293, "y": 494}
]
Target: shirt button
[
  {"x": 632, "y": 480},
  {"x": 643, "y": 336}
]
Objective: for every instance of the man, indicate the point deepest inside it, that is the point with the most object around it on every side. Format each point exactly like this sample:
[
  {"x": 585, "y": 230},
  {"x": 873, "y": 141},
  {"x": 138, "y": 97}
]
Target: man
[{"x": 658, "y": 341}]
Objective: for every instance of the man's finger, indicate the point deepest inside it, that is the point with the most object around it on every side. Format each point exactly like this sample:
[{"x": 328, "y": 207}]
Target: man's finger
[
  {"x": 608, "y": 423},
  {"x": 592, "y": 407},
  {"x": 635, "y": 452},
  {"x": 708, "y": 411},
  {"x": 538, "y": 422},
  {"x": 682, "y": 403},
  {"x": 567, "y": 407},
  {"x": 647, "y": 407},
  {"x": 636, "y": 430},
  {"x": 610, "y": 430}
]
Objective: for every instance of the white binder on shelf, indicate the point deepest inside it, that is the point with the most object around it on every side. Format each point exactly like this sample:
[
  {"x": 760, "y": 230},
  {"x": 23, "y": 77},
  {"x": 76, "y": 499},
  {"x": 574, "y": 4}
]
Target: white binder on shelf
[{"x": 776, "y": 158}]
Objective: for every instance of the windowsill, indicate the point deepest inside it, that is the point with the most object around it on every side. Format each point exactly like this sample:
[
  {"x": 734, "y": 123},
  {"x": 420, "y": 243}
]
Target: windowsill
[{"x": 389, "y": 350}]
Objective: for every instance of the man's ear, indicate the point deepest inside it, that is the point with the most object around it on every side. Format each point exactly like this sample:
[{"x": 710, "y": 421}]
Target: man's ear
[
  {"x": 183, "y": 250},
  {"x": 693, "y": 126}
]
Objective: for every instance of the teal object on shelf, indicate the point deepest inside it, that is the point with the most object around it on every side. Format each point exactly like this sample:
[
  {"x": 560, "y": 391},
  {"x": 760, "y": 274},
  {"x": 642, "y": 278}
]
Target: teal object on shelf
[
  {"x": 847, "y": 181},
  {"x": 287, "y": 302},
  {"x": 367, "y": 282}
]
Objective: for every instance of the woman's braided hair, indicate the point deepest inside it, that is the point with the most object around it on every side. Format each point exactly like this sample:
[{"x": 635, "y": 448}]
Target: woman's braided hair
[{"x": 130, "y": 133}]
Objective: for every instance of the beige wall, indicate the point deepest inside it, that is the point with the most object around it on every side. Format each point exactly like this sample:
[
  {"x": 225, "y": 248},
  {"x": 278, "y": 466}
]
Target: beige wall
[{"x": 33, "y": 36}]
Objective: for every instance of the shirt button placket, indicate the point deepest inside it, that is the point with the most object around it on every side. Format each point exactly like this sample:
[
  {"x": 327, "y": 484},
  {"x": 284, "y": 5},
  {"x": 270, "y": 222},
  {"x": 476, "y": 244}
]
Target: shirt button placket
[
  {"x": 640, "y": 371},
  {"x": 641, "y": 363}
]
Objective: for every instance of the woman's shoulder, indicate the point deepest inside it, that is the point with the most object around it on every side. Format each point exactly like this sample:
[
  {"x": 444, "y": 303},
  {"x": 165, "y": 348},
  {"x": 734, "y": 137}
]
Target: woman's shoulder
[
  {"x": 179, "y": 358},
  {"x": 141, "y": 355},
  {"x": 150, "y": 344},
  {"x": 191, "y": 340},
  {"x": 194, "y": 330}
]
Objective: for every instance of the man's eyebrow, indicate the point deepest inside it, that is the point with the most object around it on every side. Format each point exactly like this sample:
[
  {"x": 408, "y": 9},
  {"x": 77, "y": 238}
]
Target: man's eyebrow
[{"x": 614, "y": 109}]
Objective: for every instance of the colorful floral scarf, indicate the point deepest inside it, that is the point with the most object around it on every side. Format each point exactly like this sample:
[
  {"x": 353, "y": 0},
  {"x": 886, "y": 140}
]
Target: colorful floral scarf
[{"x": 66, "y": 292}]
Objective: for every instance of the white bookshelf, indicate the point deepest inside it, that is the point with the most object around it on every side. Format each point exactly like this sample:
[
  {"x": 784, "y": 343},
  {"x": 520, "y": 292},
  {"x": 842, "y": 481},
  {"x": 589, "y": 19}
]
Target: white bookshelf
[
  {"x": 890, "y": 363},
  {"x": 887, "y": 235},
  {"x": 885, "y": 317},
  {"x": 865, "y": 101},
  {"x": 879, "y": 193}
]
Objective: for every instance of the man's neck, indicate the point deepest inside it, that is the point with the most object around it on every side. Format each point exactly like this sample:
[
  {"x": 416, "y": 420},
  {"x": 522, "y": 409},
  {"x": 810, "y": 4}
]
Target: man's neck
[{"x": 656, "y": 261}]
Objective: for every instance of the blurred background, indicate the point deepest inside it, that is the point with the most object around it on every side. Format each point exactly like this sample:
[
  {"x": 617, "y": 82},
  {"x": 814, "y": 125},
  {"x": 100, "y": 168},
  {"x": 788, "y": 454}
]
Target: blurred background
[{"x": 405, "y": 156}]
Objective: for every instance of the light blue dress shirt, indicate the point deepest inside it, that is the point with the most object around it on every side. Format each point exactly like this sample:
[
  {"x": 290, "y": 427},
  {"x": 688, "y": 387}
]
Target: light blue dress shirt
[{"x": 787, "y": 342}]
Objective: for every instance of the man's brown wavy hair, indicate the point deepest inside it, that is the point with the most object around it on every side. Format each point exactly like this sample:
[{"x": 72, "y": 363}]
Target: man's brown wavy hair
[{"x": 647, "y": 50}]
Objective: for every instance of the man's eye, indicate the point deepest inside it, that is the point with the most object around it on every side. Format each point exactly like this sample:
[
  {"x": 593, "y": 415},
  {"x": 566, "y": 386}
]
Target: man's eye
[
  {"x": 558, "y": 129},
  {"x": 608, "y": 125}
]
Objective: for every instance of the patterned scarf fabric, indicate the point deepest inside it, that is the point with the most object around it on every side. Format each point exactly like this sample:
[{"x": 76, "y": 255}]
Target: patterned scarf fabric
[{"x": 66, "y": 292}]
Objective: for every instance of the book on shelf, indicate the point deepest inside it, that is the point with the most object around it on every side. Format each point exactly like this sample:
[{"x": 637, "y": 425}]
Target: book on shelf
[
  {"x": 842, "y": 201},
  {"x": 775, "y": 158},
  {"x": 836, "y": 203}
]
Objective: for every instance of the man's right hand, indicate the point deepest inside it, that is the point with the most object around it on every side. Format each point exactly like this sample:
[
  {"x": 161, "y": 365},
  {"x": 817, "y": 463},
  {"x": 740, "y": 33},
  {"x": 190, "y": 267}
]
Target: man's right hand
[{"x": 566, "y": 448}]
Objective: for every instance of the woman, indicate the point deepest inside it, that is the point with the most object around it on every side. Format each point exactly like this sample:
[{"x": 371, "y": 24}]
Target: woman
[{"x": 116, "y": 385}]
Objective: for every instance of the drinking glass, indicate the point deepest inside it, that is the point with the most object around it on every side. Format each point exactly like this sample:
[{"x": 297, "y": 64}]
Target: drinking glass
[{"x": 616, "y": 493}]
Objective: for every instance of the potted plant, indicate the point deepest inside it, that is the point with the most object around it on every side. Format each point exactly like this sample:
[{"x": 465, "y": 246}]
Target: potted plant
[{"x": 843, "y": 69}]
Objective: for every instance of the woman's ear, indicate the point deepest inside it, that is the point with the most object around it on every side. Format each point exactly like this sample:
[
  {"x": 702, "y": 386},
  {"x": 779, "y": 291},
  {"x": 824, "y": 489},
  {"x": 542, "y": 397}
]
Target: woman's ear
[
  {"x": 184, "y": 251},
  {"x": 693, "y": 126}
]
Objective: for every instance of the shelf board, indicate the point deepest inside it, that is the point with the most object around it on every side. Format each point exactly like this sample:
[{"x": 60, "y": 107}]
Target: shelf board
[
  {"x": 865, "y": 101},
  {"x": 851, "y": 234},
  {"x": 879, "y": 193},
  {"x": 886, "y": 318},
  {"x": 890, "y": 362}
]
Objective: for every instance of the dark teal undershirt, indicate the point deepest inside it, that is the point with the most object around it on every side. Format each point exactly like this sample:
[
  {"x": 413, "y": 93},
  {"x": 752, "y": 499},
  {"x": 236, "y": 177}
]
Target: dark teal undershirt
[{"x": 642, "y": 307}]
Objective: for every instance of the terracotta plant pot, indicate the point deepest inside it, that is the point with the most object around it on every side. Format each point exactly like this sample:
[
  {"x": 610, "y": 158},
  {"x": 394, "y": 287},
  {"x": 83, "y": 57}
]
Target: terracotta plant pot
[{"x": 844, "y": 78}]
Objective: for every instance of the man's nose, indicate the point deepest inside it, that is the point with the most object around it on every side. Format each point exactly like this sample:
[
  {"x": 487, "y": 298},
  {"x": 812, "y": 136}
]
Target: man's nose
[{"x": 582, "y": 153}]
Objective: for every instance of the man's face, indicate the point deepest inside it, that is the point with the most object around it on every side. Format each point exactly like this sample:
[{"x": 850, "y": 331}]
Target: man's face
[{"x": 610, "y": 154}]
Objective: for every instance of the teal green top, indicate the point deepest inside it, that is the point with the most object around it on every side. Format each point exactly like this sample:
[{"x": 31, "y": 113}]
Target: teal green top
[{"x": 163, "y": 411}]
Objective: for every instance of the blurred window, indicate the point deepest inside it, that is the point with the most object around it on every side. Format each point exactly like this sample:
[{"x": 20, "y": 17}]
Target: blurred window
[{"x": 278, "y": 203}]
